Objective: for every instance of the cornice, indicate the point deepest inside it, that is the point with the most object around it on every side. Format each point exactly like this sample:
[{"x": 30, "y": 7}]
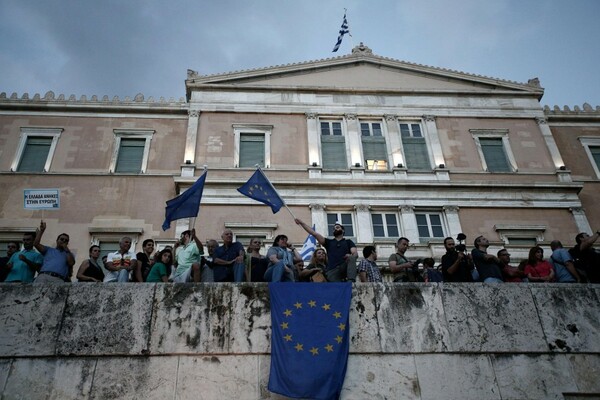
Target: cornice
[{"x": 587, "y": 113}]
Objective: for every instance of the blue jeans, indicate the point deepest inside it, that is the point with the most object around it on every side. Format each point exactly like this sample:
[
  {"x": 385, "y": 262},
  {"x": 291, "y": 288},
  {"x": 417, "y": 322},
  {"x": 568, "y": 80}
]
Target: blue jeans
[
  {"x": 277, "y": 273},
  {"x": 238, "y": 272},
  {"x": 493, "y": 280}
]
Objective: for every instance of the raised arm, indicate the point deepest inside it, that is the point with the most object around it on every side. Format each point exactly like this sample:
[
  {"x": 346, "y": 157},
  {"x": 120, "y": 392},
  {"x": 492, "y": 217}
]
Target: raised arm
[
  {"x": 589, "y": 241},
  {"x": 38, "y": 238},
  {"x": 311, "y": 231}
]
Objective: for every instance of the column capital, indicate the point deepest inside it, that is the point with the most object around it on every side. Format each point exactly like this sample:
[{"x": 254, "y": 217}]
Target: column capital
[
  {"x": 541, "y": 120},
  {"x": 429, "y": 118},
  {"x": 194, "y": 113},
  {"x": 350, "y": 117},
  {"x": 311, "y": 115},
  {"x": 453, "y": 209},
  {"x": 316, "y": 206},
  {"x": 390, "y": 117},
  {"x": 406, "y": 208},
  {"x": 577, "y": 210},
  {"x": 362, "y": 207}
]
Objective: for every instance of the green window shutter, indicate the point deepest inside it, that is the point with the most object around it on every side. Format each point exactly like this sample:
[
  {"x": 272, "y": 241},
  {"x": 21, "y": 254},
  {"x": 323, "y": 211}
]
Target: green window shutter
[
  {"x": 333, "y": 152},
  {"x": 374, "y": 148},
  {"x": 252, "y": 150},
  {"x": 415, "y": 152},
  {"x": 35, "y": 154},
  {"x": 131, "y": 155},
  {"x": 495, "y": 157},
  {"x": 596, "y": 155}
]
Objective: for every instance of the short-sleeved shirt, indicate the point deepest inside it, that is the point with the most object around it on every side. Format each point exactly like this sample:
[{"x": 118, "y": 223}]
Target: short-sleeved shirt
[
  {"x": 55, "y": 261},
  {"x": 186, "y": 256},
  {"x": 371, "y": 269},
  {"x": 463, "y": 274},
  {"x": 224, "y": 273},
  {"x": 486, "y": 268},
  {"x": 20, "y": 271},
  {"x": 539, "y": 270},
  {"x": 121, "y": 260},
  {"x": 559, "y": 259},
  {"x": 282, "y": 254},
  {"x": 157, "y": 271},
  {"x": 336, "y": 250},
  {"x": 406, "y": 275}
]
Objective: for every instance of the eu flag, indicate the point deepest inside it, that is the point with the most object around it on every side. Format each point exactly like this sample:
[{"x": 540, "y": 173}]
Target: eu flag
[
  {"x": 185, "y": 205},
  {"x": 259, "y": 188},
  {"x": 309, "y": 339}
]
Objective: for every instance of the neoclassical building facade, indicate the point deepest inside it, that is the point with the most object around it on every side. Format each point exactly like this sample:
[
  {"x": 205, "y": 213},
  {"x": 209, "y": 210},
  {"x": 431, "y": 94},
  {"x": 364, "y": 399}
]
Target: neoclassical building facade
[{"x": 387, "y": 147}]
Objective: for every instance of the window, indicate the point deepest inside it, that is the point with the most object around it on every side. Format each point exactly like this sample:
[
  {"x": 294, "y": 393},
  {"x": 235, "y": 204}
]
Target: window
[
  {"x": 373, "y": 144},
  {"x": 385, "y": 225},
  {"x": 35, "y": 149},
  {"x": 494, "y": 150},
  {"x": 520, "y": 235},
  {"x": 429, "y": 225},
  {"x": 340, "y": 218},
  {"x": 131, "y": 151},
  {"x": 416, "y": 154},
  {"x": 592, "y": 149},
  {"x": 252, "y": 150},
  {"x": 333, "y": 145},
  {"x": 252, "y": 145}
]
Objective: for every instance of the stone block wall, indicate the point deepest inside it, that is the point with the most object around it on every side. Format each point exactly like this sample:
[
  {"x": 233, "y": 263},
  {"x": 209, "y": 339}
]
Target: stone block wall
[{"x": 212, "y": 341}]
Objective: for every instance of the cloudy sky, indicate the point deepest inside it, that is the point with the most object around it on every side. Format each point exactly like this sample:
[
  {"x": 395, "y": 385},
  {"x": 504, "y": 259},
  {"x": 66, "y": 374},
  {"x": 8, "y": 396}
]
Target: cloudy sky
[{"x": 125, "y": 47}]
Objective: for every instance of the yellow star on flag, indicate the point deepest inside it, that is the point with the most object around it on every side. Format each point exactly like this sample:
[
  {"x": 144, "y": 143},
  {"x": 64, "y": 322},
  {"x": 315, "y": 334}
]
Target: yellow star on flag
[
  {"x": 299, "y": 347},
  {"x": 339, "y": 339},
  {"x": 298, "y": 305},
  {"x": 337, "y": 314},
  {"x": 314, "y": 351},
  {"x": 287, "y": 313},
  {"x": 342, "y": 327},
  {"x": 288, "y": 338},
  {"x": 329, "y": 348},
  {"x": 326, "y": 307},
  {"x": 312, "y": 303},
  {"x": 284, "y": 325}
]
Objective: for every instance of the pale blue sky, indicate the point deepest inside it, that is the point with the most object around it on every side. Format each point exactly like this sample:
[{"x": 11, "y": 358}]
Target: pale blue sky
[{"x": 121, "y": 48}]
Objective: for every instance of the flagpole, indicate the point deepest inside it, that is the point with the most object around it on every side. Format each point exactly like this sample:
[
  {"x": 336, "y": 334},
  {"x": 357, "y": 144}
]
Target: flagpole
[{"x": 273, "y": 188}]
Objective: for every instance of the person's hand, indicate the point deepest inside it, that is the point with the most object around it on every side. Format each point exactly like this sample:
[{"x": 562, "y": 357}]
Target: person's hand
[{"x": 42, "y": 226}]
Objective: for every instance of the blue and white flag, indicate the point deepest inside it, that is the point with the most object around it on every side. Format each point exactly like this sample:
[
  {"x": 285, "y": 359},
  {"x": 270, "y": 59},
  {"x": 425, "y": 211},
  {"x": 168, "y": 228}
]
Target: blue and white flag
[
  {"x": 259, "y": 188},
  {"x": 343, "y": 30},
  {"x": 309, "y": 246},
  {"x": 186, "y": 205}
]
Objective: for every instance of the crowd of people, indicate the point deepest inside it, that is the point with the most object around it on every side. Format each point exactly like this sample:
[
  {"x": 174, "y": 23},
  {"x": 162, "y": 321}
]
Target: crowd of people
[{"x": 334, "y": 260}]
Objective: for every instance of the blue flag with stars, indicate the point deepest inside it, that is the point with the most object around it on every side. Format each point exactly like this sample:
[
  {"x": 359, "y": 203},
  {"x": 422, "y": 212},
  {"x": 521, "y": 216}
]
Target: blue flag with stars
[
  {"x": 309, "y": 338},
  {"x": 259, "y": 188}
]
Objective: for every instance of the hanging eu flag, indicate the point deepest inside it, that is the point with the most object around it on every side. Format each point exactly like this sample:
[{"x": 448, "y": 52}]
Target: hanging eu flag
[
  {"x": 259, "y": 188},
  {"x": 309, "y": 339},
  {"x": 186, "y": 205}
]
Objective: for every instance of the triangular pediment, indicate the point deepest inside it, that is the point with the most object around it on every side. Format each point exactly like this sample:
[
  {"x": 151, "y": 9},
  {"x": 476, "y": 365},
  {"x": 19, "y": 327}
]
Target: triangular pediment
[{"x": 361, "y": 71}]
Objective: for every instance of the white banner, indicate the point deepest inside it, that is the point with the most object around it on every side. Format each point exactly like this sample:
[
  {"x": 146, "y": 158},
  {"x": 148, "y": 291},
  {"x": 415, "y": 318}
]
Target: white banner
[{"x": 41, "y": 199}]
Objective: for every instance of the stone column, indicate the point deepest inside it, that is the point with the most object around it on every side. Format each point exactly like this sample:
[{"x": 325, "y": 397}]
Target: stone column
[
  {"x": 315, "y": 163},
  {"x": 354, "y": 142},
  {"x": 563, "y": 175},
  {"x": 319, "y": 218},
  {"x": 433, "y": 138},
  {"x": 395, "y": 145},
  {"x": 454, "y": 227},
  {"x": 364, "y": 225},
  {"x": 581, "y": 220},
  {"x": 191, "y": 137},
  {"x": 409, "y": 223}
]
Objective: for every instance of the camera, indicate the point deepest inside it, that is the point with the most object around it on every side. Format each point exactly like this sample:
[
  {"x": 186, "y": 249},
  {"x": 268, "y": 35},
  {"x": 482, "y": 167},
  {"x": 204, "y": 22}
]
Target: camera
[
  {"x": 416, "y": 264},
  {"x": 461, "y": 247}
]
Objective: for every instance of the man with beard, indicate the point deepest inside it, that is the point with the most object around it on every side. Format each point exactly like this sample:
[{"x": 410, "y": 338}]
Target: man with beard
[
  {"x": 456, "y": 265},
  {"x": 341, "y": 253}
]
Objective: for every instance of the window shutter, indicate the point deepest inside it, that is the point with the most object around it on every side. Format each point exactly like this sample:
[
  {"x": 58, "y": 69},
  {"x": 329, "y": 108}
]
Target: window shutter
[
  {"x": 596, "y": 155},
  {"x": 493, "y": 152},
  {"x": 35, "y": 154},
  {"x": 131, "y": 154},
  {"x": 415, "y": 152},
  {"x": 252, "y": 150},
  {"x": 374, "y": 148},
  {"x": 333, "y": 152}
]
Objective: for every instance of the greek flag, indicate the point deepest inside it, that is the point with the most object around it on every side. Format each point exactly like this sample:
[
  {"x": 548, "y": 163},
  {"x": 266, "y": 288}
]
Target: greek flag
[
  {"x": 309, "y": 246},
  {"x": 343, "y": 30}
]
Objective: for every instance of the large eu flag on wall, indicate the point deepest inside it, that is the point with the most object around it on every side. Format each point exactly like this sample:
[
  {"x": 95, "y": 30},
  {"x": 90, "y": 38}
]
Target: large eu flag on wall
[{"x": 310, "y": 338}]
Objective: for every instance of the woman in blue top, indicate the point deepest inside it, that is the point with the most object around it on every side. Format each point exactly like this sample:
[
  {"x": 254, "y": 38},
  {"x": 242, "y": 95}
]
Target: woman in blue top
[
  {"x": 282, "y": 257},
  {"x": 162, "y": 267}
]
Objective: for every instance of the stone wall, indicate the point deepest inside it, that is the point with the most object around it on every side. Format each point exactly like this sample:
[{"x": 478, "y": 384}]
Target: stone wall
[{"x": 212, "y": 341}]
